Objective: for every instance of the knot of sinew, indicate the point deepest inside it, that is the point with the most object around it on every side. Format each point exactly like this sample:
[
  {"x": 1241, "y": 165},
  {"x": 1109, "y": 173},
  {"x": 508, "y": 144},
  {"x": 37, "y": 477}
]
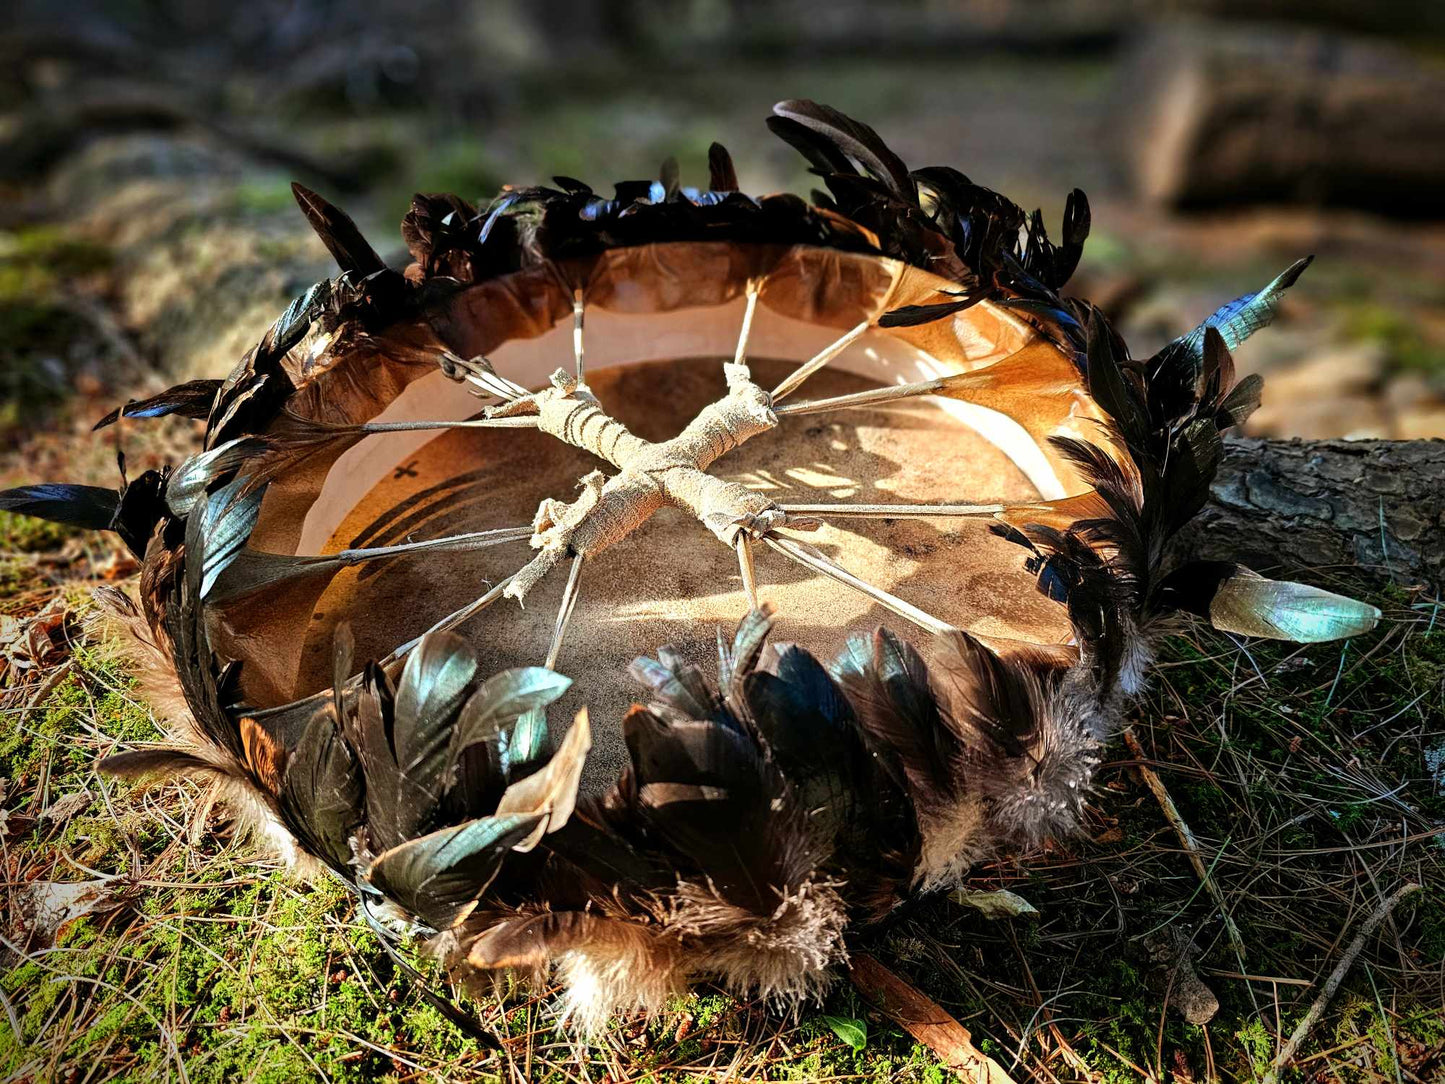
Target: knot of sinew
[{"x": 648, "y": 475}]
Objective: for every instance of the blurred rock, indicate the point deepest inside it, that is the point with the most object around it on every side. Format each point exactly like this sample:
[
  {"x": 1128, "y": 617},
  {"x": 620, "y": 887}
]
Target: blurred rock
[
  {"x": 208, "y": 247},
  {"x": 1329, "y": 395},
  {"x": 1172, "y": 953},
  {"x": 1415, "y": 406},
  {"x": 1420, "y": 423},
  {"x": 1409, "y": 392},
  {"x": 1221, "y": 115}
]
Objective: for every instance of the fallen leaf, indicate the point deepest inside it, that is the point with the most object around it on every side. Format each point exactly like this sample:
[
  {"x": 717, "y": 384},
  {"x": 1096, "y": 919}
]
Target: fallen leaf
[
  {"x": 852, "y": 1031},
  {"x": 117, "y": 566},
  {"x": 15, "y": 824},
  {"x": 45, "y": 908},
  {"x": 998, "y": 904},
  {"x": 66, "y": 807},
  {"x": 35, "y": 640}
]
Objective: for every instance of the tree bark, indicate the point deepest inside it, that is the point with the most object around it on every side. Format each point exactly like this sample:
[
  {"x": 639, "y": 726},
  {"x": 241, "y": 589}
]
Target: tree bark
[{"x": 1290, "y": 507}]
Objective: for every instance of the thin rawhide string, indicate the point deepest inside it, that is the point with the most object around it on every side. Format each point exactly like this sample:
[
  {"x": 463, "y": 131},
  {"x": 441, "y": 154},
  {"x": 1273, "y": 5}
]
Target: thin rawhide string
[{"x": 673, "y": 472}]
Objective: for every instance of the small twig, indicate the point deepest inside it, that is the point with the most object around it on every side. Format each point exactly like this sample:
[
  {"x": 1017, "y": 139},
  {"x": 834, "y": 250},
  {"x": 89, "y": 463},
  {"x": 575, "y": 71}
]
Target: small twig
[
  {"x": 925, "y": 1020},
  {"x": 1337, "y": 976},
  {"x": 1186, "y": 837}
]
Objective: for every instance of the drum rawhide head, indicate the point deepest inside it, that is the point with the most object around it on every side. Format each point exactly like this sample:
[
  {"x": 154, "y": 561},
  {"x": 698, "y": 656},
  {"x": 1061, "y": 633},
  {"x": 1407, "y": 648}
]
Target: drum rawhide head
[{"x": 660, "y": 587}]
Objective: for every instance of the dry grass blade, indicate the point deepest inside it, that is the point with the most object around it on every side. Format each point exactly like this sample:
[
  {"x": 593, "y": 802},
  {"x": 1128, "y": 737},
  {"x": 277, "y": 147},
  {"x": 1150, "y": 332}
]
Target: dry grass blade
[{"x": 1186, "y": 837}]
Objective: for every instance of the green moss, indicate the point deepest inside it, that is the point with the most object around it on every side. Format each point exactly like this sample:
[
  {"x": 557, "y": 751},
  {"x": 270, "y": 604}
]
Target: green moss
[
  {"x": 32, "y": 338},
  {"x": 16, "y": 574},
  {"x": 26, "y": 534},
  {"x": 268, "y": 194},
  {"x": 1257, "y": 1045},
  {"x": 49, "y": 251},
  {"x": 1406, "y": 346},
  {"x": 37, "y": 326},
  {"x": 34, "y": 263},
  {"x": 461, "y": 167}
]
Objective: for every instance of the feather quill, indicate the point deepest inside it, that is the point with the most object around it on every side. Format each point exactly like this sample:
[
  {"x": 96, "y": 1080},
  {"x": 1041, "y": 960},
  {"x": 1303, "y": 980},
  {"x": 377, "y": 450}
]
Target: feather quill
[
  {"x": 338, "y": 233},
  {"x": 90, "y": 508},
  {"x": 192, "y": 399}
]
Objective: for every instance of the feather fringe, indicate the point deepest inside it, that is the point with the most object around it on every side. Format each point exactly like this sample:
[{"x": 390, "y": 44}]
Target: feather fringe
[
  {"x": 784, "y": 957},
  {"x": 120, "y": 621}
]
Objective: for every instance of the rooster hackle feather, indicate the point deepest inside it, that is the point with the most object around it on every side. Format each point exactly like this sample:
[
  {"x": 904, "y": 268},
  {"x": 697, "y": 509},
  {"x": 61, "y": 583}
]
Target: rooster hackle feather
[{"x": 744, "y": 816}]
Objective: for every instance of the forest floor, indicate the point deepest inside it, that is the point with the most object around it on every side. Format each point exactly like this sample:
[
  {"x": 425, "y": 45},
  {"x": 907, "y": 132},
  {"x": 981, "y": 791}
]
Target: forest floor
[{"x": 141, "y": 941}]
